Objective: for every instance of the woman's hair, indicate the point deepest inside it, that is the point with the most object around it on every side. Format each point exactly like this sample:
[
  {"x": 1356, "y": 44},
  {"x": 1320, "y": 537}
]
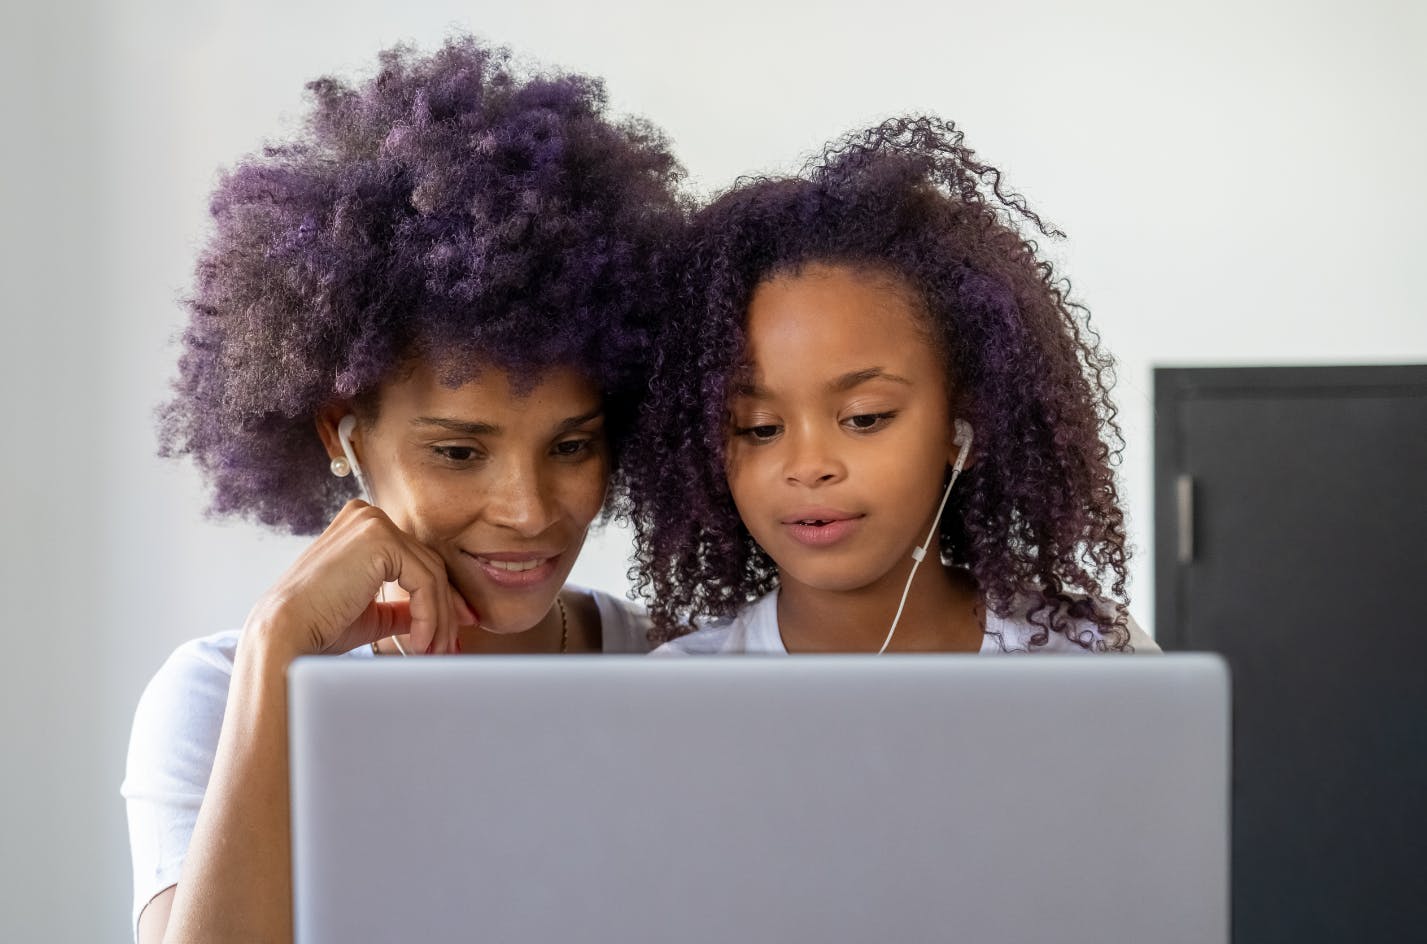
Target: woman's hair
[
  {"x": 1035, "y": 516},
  {"x": 456, "y": 208}
]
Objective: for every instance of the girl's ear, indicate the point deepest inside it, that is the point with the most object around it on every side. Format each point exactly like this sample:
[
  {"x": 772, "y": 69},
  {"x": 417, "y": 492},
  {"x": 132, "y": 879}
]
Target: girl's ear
[{"x": 963, "y": 446}]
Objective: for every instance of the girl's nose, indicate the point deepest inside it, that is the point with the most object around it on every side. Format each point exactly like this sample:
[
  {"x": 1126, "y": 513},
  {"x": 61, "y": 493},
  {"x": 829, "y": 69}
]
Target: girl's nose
[{"x": 812, "y": 461}]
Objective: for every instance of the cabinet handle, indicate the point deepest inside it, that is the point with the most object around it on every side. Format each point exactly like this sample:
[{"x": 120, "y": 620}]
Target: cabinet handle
[{"x": 1184, "y": 509}]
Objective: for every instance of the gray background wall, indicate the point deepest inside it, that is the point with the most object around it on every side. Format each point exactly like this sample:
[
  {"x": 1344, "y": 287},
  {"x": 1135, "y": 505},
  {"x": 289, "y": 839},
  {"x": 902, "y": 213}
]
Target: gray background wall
[{"x": 1242, "y": 183}]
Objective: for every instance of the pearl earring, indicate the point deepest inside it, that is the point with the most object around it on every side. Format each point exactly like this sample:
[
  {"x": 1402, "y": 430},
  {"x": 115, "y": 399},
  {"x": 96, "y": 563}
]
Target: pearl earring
[{"x": 341, "y": 467}]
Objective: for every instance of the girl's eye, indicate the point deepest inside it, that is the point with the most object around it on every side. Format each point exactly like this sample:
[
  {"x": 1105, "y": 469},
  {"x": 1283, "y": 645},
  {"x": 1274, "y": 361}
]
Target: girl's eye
[
  {"x": 865, "y": 422},
  {"x": 572, "y": 447},
  {"x": 762, "y": 433},
  {"x": 455, "y": 454}
]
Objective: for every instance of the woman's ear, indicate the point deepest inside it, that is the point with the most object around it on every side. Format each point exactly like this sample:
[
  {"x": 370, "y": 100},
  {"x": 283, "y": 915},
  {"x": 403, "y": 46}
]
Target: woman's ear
[{"x": 327, "y": 421}]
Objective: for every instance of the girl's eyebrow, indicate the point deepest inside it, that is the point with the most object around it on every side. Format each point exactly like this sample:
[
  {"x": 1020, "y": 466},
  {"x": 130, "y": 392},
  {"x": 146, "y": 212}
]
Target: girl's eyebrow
[
  {"x": 476, "y": 428},
  {"x": 747, "y": 388},
  {"x": 853, "y": 378}
]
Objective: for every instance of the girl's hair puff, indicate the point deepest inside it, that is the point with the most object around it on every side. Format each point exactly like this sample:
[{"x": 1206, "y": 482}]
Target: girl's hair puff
[{"x": 1036, "y": 518}]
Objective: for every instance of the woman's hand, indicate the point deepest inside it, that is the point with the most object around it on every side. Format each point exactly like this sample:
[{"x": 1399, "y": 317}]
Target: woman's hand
[{"x": 326, "y": 601}]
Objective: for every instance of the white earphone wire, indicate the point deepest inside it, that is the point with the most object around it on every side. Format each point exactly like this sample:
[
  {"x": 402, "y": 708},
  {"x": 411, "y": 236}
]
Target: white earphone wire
[{"x": 963, "y": 437}]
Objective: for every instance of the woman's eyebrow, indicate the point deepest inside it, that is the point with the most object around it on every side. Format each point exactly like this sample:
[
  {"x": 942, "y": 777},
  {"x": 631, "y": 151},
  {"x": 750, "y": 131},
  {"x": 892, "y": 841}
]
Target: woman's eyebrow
[
  {"x": 463, "y": 427},
  {"x": 852, "y": 378},
  {"x": 573, "y": 421},
  {"x": 477, "y": 428}
]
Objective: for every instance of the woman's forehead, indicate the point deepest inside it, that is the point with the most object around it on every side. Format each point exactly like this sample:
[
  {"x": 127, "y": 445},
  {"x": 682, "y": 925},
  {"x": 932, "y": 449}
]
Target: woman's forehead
[{"x": 489, "y": 391}]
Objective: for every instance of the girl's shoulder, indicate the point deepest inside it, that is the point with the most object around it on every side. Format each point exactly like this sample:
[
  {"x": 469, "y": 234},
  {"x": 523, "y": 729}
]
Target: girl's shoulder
[{"x": 1025, "y": 628}]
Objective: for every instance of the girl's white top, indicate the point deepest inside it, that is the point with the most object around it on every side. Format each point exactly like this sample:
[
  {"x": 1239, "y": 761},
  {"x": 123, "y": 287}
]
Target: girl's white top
[{"x": 754, "y": 629}]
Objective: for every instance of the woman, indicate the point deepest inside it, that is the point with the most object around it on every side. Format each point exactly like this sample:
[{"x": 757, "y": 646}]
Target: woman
[{"x": 437, "y": 294}]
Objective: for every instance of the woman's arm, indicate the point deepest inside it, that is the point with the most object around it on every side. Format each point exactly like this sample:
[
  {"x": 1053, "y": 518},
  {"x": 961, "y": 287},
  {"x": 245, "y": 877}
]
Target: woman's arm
[
  {"x": 236, "y": 883},
  {"x": 237, "y": 875}
]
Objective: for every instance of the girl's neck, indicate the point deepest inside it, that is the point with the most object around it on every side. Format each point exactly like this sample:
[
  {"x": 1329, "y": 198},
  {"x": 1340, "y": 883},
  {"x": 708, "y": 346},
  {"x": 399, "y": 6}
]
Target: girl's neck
[{"x": 943, "y": 613}]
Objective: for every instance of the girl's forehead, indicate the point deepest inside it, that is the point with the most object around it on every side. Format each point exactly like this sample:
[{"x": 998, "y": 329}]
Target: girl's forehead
[{"x": 832, "y": 320}]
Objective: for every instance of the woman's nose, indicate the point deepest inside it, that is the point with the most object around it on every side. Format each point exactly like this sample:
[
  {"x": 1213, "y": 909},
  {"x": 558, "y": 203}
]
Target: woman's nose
[{"x": 521, "y": 502}]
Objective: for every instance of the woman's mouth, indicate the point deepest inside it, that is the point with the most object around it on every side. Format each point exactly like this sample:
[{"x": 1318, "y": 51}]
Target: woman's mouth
[
  {"x": 515, "y": 570},
  {"x": 821, "y": 527}
]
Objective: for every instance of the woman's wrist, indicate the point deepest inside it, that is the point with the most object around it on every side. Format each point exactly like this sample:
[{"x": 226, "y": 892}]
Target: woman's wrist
[{"x": 271, "y": 638}]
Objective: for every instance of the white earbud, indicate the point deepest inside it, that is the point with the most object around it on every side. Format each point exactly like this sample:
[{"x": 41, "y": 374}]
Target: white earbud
[
  {"x": 344, "y": 436},
  {"x": 962, "y": 437}
]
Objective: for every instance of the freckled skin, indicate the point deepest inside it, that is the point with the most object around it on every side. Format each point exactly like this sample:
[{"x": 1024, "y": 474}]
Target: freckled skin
[{"x": 531, "y": 484}]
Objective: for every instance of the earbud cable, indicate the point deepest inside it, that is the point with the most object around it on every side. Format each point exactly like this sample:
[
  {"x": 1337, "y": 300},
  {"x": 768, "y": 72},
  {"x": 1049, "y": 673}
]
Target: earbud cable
[{"x": 963, "y": 437}]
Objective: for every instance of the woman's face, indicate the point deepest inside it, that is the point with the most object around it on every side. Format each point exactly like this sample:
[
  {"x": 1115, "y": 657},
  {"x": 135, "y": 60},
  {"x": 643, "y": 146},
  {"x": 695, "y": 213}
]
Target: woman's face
[{"x": 503, "y": 485}]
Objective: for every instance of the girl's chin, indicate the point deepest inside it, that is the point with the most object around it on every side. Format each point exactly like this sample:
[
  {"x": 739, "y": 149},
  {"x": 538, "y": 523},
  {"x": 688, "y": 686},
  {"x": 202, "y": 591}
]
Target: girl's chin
[{"x": 848, "y": 575}]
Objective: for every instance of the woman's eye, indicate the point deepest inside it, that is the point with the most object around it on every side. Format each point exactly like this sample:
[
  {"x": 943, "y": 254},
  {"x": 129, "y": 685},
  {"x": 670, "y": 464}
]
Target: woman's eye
[
  {"x": 455, "y": 453},
  {"x": 572, "y": 447},
  {"x": 863, "y": 422}
]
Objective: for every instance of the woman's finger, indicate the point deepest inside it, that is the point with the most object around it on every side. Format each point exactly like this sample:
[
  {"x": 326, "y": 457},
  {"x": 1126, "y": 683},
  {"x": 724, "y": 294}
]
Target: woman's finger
[{"x": 449, "y": 627}]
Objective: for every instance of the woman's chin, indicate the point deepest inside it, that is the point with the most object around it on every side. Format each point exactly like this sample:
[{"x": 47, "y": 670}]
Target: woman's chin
[
  {"x": 507, "y": 629},
  {"x": 513, "y": 621}
]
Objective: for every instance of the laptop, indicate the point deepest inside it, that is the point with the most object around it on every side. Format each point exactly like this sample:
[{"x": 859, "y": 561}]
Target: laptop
[{"x": 743, "y": 799}]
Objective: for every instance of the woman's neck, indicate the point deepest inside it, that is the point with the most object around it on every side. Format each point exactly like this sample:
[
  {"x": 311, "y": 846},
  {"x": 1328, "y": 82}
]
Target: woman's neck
[{"x": 943, "y": 613}]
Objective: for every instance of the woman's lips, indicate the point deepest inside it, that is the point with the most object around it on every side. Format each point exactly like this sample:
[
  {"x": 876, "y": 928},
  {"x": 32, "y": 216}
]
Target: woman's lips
[
  {"x": 821, "y": 527},
  {"x": 515, "y": 570}
]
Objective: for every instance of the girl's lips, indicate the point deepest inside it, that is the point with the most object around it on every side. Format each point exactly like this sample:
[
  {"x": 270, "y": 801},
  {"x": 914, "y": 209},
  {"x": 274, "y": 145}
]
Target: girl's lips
[
  {"x": 824, "y": 534},
  {"x": 514, "y": 571}
]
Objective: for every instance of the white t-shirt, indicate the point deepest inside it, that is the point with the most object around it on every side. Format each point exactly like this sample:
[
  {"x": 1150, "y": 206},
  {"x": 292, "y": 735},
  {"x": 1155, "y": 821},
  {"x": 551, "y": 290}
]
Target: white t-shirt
[
  {"x": 175, "y": 740},
  {"x": 754, "y": 629}
]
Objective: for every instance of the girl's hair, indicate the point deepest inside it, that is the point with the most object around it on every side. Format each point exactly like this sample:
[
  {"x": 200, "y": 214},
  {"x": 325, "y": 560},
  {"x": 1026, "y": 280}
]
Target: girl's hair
[
  {"x": 456, "y": 208},
  {"x": 1035, "y": 519}
]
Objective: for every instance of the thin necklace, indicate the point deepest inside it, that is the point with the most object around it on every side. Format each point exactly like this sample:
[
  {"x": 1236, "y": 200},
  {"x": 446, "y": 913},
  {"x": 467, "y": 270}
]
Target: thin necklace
[
  {"x": 564, "y": 633},
  {"x": 564, "y": 626}
]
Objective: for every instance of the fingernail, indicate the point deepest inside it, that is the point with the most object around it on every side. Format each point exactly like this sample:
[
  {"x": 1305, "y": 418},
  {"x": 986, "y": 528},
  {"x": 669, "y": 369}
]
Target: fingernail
[{"x": 459, "y": 650}]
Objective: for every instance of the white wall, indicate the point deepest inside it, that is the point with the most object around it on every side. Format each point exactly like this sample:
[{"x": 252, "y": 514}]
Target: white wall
[{"x": 1239, "y": 186}]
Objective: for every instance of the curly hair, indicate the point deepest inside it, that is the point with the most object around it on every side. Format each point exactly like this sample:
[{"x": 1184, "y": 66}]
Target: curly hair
[
  {"x": 457, "y": 207},
  {"x": 1036, "y": 516}
]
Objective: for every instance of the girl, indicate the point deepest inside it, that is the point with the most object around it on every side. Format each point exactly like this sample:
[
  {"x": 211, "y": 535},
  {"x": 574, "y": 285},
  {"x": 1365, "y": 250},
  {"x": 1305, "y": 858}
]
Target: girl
[
  {"x": 877, "y": 368},
  {"x": 437, "y": 291}
]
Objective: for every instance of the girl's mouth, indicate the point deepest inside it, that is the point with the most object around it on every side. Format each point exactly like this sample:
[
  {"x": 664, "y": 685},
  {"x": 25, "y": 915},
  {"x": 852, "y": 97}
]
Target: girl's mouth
[{"x": 821, "y": 529}]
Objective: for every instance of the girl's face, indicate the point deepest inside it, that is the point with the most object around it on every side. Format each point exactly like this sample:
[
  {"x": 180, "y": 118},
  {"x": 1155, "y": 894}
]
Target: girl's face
[
  {"x": 502, "y": 486},
  {"x": 841, "y": 430}
]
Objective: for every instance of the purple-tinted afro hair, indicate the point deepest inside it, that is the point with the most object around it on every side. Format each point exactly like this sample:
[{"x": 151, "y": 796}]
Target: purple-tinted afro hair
[
  {"x": 455, "y": 208},
  {"x": 1037, "y": 515}
]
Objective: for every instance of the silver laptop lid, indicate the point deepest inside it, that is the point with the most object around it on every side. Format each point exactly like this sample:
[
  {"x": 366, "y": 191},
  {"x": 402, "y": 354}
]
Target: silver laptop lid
[{"x": 832, "y": 799}]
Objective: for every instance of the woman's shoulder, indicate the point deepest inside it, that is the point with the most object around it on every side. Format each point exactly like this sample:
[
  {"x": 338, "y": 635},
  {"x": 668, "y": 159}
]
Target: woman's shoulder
[
  {"x": 754, "y": 628},
  {"x": 1028, "y": 627},
  {"x": 196, "y": 671},
  {"x": 624, "y": 624},
  {"x": 178, "y": 718},
  {"x": 180, "y": 713}
]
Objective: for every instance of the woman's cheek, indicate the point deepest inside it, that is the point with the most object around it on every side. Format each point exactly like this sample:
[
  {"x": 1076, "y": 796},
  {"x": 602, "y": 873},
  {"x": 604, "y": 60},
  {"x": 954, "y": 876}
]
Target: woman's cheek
[{"x": 588, "y": 490}]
